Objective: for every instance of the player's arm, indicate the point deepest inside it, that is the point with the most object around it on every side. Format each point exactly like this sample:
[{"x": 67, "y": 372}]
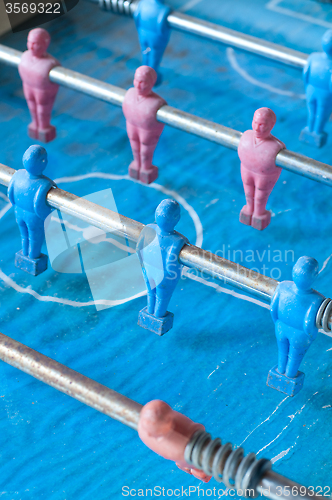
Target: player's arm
[
  {"x": 306, "y": 72},
  {"x": 274, "y": 305},
  {"x": 10, "y": 192},
  {"x": 309, "y": 323},
  {"x": 42, "y": 209},
  {"x": 163, "y": 25}
]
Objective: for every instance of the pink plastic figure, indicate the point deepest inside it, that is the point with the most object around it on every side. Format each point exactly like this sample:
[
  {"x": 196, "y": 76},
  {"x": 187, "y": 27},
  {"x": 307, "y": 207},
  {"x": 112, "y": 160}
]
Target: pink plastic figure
[
  {"x": 38, "y": 90},
  {"x": 167, "y": 433},
  {"x": 140, "y": 108},
  {"x": 257, "y": 150}
]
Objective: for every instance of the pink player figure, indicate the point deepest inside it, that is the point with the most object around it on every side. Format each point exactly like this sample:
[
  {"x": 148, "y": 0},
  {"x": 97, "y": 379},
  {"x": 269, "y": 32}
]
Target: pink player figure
[
  {"x": 38, "y": 90},
  {"x": 140, "y": 108},
  {"x": 167, "y": 433},
  {"x": 257, "y": 150}
]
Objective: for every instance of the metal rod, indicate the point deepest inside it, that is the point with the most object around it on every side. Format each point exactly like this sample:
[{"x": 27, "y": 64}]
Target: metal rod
[
  {"x": 191, "y": 256},
  {"x": 111, "y": 403},
  {"x": 94, "y": 214},
  {"x": 72, "y": 383},
  {"x": 276, "y": 487},
  {"x": 294, "y": 162},
  {"x": 206, "y": 263},
  {"x": 232, "y": 38},
  {"x": 216, "y": 32}
]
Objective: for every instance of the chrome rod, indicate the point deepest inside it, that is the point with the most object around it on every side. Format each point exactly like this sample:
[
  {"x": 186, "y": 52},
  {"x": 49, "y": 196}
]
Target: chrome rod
[
  {"x": 294, "y": 162},
  {"x": 202, "y": 261},
  {"x": 232, "y": 38},
  {"x": 72, "y": 383},
  {"x": 191, "y": 256},
  {"x": 217, "y": 33},
  {"x": 111, "y": 403},
  {"x": 278, "y": 487}
]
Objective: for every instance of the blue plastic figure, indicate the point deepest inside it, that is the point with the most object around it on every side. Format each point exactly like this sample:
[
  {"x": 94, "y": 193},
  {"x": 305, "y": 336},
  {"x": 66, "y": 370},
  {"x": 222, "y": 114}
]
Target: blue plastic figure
[
  {"x": 158, "y": 249},
  {"x": 294, "y": 309},
  {"x": 27, "y": 193},
  {"x": 317, "y": 75},
  {"x": 153, "y": 32}
]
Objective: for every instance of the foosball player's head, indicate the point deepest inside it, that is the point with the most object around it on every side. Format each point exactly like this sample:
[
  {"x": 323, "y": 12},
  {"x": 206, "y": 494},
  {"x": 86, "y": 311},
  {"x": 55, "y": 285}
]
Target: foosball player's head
[
  {"x": 327, "y": 43},
  {"x": 263, "y": 122},
  {"x": 168, "y": 214},
  {"x": 38, "y": 42},
  {"x": 145, "y": 79},
  {"x": 305, "y": 272},
  {"x": 35, "y": 160}
]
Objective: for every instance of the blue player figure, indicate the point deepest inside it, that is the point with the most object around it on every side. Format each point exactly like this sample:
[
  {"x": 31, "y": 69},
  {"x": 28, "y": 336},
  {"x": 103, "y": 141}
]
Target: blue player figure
[
  {"x": 158, "y": 250},
  {"x": 27, "y": 192},
  {"x": 153, "y": 32},
  {"x": 317, "y": 75},
  {"x": 294, "y": 310}
]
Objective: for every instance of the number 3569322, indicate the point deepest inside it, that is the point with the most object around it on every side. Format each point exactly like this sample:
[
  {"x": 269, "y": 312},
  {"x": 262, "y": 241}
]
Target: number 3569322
[{"x": 33, "y": 8}]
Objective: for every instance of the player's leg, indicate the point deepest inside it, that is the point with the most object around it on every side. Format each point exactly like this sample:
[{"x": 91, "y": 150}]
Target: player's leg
[
  {"x": 283, "y": 349},
  {"x": 261, "y": 197},
  {"x": 24, "y": 236},
  {"x": 148, "y": 144},
  {"x": 249, "y": 191},
  {"x": 151, "y": 291},
  {"x": 294, "y": 360},
  {"x": 164, "y": 294},
  {"x": 151, "y": 297},
  {"x": 312, "y": 111},
  {"x": 45, "y": 102},
  {"x": 133, "y": 136},
  {"x": 281, "y": 332},
  {"x": 158, "y": 47},
  {"x": 299, "y": 344},
  {"x": 32, "y": 105},
  {"x": 36, "y": 236},
  {"x": 144, "y": 42},
  {"x": 146, "y": 153},
  {"x": 324, "y": 109},
  {"x": 313, "y": 133},
  {"x": 264, "y": 185}
]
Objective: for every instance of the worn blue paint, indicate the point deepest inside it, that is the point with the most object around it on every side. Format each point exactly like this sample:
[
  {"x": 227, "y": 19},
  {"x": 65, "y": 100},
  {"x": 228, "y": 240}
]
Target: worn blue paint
[
  {"x": 317, "y": 75},
  {"x": 158, "y": 250},
  {"x": 213, "y": 364},
  {"x": 153, "y": 32},
  {"x": 27, "y": 193},
  {"x": 294, "y": 309}
]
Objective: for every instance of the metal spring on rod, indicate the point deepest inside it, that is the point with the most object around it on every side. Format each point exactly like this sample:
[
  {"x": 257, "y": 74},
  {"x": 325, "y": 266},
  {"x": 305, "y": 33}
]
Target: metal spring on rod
[
  {"x": 125, "y": 7},
  {"x": 323, "y": 315},
  {"x": 225, "y": 464}
]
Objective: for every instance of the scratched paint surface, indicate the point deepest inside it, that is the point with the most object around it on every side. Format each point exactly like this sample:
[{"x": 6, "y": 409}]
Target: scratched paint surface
[{"x": 213, "y": 365}]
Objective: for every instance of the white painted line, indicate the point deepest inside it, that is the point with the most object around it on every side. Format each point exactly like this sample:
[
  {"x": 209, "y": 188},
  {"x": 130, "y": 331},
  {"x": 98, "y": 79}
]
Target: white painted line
[
  {"x": 189, "y": 5},
  {"x": 235, "y": 65},
  {"x": 274, "y": 6}
]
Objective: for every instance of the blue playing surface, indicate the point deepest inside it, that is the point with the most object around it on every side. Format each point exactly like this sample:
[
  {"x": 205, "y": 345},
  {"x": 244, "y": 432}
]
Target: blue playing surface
[{"x": 213, "y": 364}]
